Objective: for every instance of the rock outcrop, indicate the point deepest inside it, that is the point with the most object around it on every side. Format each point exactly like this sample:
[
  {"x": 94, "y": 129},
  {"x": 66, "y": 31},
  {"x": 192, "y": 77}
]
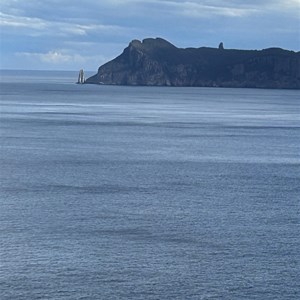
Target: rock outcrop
[{"x": 156, "y": 62}]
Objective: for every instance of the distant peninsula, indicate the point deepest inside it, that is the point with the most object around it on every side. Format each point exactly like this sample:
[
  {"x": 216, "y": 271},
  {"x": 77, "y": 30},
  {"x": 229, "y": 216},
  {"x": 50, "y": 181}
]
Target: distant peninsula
[{"x": 157, "y": 62}]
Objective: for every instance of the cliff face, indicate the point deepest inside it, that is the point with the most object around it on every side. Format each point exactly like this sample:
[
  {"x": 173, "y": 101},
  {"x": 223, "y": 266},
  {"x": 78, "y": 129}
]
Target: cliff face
[{"x": 156, "y": 62}]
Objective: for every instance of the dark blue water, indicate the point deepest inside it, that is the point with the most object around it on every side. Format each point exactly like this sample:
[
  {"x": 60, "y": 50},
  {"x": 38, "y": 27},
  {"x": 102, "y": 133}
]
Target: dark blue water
[{"x": 147, "y": 193}]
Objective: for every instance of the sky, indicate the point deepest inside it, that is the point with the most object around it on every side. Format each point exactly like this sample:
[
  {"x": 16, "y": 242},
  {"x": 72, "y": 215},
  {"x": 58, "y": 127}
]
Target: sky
[{"x": 72, "y": 34}]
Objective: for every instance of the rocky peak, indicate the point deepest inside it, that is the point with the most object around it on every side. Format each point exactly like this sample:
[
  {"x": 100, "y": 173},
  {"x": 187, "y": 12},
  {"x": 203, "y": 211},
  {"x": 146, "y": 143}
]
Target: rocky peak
[
  {"x": 157, "y": 43},
  {"x": 135, "y": 44},
  {"x": 150, "y": 44}
]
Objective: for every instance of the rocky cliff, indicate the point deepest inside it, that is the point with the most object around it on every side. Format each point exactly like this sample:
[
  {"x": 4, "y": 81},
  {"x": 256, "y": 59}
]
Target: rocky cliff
[{"x": 156, "y": 62}]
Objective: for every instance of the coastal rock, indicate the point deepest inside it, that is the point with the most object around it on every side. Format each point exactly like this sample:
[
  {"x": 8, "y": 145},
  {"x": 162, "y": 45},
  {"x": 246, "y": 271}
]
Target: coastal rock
[{"x": 157, "y": 62}]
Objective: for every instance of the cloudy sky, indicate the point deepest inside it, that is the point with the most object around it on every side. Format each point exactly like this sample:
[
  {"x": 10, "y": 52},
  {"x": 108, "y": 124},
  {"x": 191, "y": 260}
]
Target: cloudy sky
[{"x": 73, "y": 34}]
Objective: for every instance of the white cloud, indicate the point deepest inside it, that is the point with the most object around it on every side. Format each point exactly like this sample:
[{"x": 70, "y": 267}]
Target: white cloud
[
  {"x": 234, "y": 8},
  {"x": 25, "y": 22},
  {"x": 290, "y": 3},
  {"x": 55, "y": 28},
  {"x": 62, "y": 59},
  {"x": 52, "y": 57},
  {"x": 194, "y": 9}
]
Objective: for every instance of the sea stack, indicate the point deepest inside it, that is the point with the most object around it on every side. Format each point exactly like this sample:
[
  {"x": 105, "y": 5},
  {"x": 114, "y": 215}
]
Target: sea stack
[{"x": 81, "y": 78}]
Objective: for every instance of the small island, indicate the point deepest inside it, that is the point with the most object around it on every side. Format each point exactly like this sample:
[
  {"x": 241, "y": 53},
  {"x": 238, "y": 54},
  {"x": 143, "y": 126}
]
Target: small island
[{"x": 157, "y": 62}]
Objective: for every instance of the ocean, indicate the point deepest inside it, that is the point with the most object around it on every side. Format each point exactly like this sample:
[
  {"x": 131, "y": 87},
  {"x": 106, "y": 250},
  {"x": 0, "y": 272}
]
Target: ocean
[{"x": 115, "y": 192}]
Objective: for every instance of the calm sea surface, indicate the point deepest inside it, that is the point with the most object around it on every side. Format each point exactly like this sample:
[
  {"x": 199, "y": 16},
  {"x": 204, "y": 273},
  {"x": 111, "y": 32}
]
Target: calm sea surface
[{"x": 147, "y": 193}]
